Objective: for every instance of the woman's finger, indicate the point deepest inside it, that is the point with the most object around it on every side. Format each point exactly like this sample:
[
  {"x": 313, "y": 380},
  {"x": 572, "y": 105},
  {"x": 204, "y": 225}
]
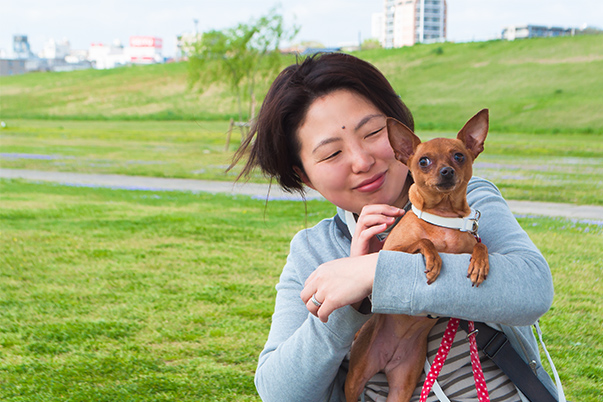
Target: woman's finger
[
  {"x": 314, "y": 304},
  {"x": 368, "y": 221},
  {"x": 382, "y": 209},
  {"x": 307, "y": 292}
]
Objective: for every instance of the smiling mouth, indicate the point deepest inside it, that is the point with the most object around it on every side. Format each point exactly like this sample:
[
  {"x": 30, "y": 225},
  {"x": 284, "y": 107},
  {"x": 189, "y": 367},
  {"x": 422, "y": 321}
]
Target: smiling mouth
[{"x": 371, "y": 184}]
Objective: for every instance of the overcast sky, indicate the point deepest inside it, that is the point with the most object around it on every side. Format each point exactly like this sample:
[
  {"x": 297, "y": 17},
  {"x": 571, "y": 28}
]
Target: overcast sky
[{"x": 331, "y": 22}]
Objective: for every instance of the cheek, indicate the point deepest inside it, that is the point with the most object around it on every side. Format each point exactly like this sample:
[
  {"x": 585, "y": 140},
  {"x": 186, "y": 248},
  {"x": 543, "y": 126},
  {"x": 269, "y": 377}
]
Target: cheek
[
  {"x": 327, "y": 177},
  {"x": 384, "y": 150}
]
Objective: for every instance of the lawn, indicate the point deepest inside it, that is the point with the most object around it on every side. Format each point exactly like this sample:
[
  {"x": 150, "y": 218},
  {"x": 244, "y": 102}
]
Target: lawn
[
  {"x": 113, "y": 295},
  {"x": 537, "y": 167},
  {"x": 546, "y": 85}
]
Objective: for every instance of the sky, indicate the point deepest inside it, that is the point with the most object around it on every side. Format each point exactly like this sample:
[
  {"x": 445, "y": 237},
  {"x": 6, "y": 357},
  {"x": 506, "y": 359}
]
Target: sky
[{"x": 330, "y": 22}]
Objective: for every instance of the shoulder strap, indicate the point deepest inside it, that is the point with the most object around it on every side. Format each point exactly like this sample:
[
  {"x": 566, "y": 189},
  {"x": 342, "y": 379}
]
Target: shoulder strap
[
  {"x": 498, "y": 348},
  {"x": 561, "y": 394}
]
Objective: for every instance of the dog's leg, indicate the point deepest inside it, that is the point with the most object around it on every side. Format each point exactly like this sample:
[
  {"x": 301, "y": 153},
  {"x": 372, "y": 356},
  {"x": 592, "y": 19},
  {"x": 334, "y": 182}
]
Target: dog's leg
[
  {"x": 405, "y": 368},
  {"x": 479, "y": 265},
  {"x": 403, "y": 379},
  {"x": 365, "y": 360},
  {"x": 433, "y": 262}
]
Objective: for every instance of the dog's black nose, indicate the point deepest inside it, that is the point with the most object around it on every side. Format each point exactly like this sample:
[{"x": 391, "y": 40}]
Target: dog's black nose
[{"x": 447, "y": 172}]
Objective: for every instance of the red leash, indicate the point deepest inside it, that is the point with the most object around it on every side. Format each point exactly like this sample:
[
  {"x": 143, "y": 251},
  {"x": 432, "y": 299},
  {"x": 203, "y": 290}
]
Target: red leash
[{"x": 445, "y": 345}]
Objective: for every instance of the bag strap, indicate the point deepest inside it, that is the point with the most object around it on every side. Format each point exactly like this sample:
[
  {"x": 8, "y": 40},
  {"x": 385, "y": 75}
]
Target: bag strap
[
  {"x": 497, "y": 347},
  {"x": 560, "y": 393}
]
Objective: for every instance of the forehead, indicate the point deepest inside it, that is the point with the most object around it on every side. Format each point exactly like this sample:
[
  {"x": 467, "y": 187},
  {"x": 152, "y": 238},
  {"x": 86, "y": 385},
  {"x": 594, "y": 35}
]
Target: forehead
[
  {"x": 333, "y": 115},
  {"x": 341, "y": 105},
  {"x": 440, "y": 147}
]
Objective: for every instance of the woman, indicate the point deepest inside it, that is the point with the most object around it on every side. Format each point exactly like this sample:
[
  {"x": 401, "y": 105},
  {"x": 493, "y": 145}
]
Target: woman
[{"x": 322, "y": 125}]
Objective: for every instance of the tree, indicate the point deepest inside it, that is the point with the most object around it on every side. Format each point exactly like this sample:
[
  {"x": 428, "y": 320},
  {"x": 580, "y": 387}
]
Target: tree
[{"x": 240, "y": 56}]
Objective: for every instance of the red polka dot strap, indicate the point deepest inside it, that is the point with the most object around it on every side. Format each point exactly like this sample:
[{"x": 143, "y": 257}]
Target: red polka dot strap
[{"x": 445, "y": 345}]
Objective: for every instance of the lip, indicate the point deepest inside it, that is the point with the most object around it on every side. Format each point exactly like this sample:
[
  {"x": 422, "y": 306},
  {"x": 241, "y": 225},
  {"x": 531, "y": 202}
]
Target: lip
[{"x": 372, "y": 184}]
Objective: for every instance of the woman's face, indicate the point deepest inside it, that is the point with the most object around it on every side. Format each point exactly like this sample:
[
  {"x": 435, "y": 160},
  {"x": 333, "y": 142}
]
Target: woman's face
[{"x": 346, "y": 153}]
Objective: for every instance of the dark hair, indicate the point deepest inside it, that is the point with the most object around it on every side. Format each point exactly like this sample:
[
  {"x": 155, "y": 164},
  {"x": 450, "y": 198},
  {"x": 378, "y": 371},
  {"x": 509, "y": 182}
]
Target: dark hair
[{"x": 276, "y": 147}]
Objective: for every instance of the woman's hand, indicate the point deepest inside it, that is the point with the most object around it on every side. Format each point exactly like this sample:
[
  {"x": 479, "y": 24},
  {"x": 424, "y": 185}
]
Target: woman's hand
[
  {"x": 373, "y": 220},
  {"x": 338, "y": 283}
]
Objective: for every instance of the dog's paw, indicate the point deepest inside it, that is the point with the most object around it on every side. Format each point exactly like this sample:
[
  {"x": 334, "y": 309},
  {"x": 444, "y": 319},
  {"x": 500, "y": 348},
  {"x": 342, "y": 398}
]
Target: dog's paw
[
  {"x": 478, "y": 272},
  {"x": 479, "y": 267},
  {"x": 433, "y": 266}
]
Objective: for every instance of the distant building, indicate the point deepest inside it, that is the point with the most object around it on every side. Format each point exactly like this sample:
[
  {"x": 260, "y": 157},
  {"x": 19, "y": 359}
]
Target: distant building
[
  {"x": 378, "y": 27},
  {"x": 21, "y": 47},
  {"x": 21, "y": 59},
  {"x": 534, "y": 31},
  {"x": 106, "y": 56},
  {"x": 145, "y": 50},
  {"x": 12, "y": 67},
  {"x": 55, "y": 50},
  {"x": 406, "y": 22},
  {"x": 142, "y": 50},
  {"x": 58, "y": 55}
]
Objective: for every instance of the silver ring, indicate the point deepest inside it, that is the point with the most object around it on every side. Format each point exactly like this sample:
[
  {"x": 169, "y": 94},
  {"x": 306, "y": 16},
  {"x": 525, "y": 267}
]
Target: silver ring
[{"x": 316, "y": 302}]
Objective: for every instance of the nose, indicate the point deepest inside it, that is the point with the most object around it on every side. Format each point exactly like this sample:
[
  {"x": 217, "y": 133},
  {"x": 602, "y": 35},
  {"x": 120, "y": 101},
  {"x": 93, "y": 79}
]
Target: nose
[
  {"x": 362, "y": 160},
  {"x": 447, "y": 173}
]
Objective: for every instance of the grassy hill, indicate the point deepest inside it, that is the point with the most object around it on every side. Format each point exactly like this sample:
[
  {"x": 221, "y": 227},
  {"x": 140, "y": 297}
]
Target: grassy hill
[{"x": 538, "y": 85}]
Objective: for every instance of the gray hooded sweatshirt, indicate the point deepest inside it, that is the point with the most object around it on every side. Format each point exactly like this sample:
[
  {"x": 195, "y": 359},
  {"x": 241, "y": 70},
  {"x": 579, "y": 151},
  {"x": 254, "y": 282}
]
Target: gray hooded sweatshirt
[{"x": 302, "y": 358}]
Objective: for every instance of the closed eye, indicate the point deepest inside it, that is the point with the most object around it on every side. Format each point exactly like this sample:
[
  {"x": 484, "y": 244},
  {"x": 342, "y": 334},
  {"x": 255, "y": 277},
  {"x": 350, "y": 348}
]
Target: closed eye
[
  {"x": 334, "y": 154},
  {"x": 374, "y": 132}
]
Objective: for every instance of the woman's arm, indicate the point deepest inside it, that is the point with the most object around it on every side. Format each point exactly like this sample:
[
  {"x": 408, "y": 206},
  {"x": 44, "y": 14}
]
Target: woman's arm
[
  {"x": 518, "y": 290},
  {"x": 302, "y": 356}
]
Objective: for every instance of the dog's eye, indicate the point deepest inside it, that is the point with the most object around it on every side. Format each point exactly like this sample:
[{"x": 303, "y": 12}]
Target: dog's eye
[
  {"x": 424, "y": 161},
  {"x": 460, "y": 158}
]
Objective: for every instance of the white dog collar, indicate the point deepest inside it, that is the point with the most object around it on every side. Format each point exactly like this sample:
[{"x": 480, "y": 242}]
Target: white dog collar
[{"x": 466, "y": 224}]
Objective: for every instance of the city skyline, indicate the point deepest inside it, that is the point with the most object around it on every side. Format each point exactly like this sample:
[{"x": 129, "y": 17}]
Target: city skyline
[{"x": 332, "y": 23}]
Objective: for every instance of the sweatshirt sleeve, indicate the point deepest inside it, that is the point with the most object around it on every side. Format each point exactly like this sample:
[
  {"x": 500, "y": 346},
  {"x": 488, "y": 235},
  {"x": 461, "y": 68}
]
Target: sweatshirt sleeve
[
  {"x": 302, "y": 356},
  {"x": 517, "y": 291}
]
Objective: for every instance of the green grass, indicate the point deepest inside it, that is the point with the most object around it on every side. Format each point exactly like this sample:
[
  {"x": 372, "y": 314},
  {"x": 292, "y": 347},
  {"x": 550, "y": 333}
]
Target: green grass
[
  {"x": 540, "y": 85},
  {"x": 113, "y": 295},
  {"x": 536, "y": 85},
  {"x": 148, "y": 148},
  {"x": 159, "y": 92},
  {"x": 164, "y": 296},
  {"x": 537, "y": 167}
]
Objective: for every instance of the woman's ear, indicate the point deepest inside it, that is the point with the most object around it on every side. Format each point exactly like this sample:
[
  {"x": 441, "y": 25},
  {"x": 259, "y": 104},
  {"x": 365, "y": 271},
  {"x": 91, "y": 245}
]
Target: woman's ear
[{"x": 304, "y": 178}]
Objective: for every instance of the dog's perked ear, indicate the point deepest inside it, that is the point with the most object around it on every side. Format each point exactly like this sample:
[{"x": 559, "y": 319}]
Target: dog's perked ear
[
  {"x": 474, "y": 133},
  {"x": 402, "y": 139}
]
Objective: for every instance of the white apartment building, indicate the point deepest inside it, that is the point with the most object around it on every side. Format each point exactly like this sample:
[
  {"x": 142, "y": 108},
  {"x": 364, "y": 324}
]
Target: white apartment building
[{"x": 408, "y": 22}]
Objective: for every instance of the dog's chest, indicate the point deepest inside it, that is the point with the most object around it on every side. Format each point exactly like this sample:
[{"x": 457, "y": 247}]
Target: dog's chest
[{"x": 412, "y": 229}]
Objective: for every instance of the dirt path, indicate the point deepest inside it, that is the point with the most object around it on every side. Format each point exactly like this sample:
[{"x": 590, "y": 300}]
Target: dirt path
[{"x": 588, "y": 212}]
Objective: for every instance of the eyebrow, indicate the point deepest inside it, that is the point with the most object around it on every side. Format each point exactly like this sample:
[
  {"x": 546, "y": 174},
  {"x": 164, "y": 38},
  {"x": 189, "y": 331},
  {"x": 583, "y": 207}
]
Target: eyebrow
[
  {"x": 361, "y": 123},
  {"x": 325, "y": 142},
  {"x": 366, "y": 120}
]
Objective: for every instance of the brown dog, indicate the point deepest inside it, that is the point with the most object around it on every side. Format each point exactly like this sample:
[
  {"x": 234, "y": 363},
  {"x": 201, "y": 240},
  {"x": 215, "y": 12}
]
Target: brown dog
[{"x": 441, "y": 169}]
